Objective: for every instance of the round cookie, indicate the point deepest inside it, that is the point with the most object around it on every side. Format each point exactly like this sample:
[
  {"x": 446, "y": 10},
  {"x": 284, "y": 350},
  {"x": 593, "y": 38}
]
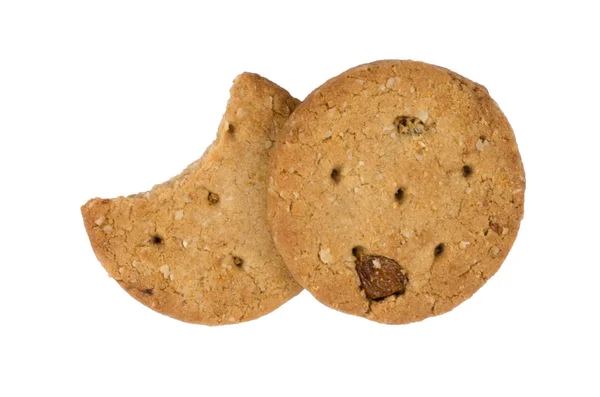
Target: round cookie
[
  {"x": 395, "y": 191},
  {"x": 197, "y": 248}
]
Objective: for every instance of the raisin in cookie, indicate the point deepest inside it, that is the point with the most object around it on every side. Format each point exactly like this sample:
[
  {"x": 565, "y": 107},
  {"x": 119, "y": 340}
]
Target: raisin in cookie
[
  {"x": 395, "y": 191},
  {"x": 197, "y": 248}
]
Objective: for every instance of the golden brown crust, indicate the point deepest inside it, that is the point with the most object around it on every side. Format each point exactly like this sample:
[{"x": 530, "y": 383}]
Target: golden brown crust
[
  {"x": 197, "y": 247},
  {"x": 410, "y": 161}
]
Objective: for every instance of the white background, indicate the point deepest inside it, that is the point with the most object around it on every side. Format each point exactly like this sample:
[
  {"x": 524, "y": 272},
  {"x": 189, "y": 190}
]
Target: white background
[{"x": 108, "y": 98}]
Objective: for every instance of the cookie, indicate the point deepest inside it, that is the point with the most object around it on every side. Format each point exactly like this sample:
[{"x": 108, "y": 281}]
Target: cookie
[
  {"x": 395, "y": 191},
  {"x": 197, "y": 248}
]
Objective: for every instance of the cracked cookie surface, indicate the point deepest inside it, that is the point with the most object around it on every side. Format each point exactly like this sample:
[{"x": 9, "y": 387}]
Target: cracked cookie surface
[
  {"x": 408, "y": 165},
  {"x": 197, "y": 247}
]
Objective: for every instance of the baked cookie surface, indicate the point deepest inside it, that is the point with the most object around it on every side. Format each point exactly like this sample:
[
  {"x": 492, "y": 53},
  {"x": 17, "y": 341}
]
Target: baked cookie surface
[
  {"x": 197, "y": 248},
  {"x": 395, "y": 191}
]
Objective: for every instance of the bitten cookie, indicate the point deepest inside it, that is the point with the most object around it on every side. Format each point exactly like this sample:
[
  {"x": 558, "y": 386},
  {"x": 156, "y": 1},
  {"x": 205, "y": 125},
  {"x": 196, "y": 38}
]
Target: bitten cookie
[
  {"x": 395, "y": 191},
  {"x": 197, "y": 248}
]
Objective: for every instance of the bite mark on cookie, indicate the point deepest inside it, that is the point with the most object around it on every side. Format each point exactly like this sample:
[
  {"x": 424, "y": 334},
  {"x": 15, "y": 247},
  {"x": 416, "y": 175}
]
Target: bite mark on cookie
[{"x": 164, "y": 247}]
